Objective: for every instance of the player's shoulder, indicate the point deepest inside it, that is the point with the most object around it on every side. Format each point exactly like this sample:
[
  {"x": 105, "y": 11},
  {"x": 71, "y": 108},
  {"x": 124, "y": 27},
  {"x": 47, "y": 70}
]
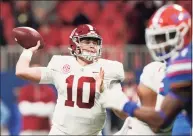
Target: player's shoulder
[
  {"x": 184, "y": 54},
  {"x": 181, "y": 59},
  {"x": 113, "y": 69},
  {"x": 180, "y": 65},
  {"x": 61, "y": 58},
  {"x": 58, "y": 60},
  {"x": 154, "y": 66},
  {"x": 106, "y": 62}
]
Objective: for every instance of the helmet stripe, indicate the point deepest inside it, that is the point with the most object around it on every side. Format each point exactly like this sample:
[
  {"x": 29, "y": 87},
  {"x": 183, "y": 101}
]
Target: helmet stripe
[
  {"x": 90, "y": 27},
  {"x": 72, "y": 33},
  {"x": 157, "y": 15}
]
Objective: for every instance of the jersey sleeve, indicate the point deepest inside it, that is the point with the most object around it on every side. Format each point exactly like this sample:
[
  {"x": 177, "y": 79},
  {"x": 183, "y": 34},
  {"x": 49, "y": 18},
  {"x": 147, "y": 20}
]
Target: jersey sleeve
[
  {"x": 151, "y": 75},
  {"x": 116, "y": 71},
  {"x": 119, "y": 73},
  {"x": 47, "y": 73},
  {"x": 179, "y": 71}
]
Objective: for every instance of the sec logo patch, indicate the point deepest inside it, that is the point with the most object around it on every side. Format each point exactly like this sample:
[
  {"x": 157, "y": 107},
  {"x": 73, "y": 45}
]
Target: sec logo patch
[{"x": 66, "y": 68}]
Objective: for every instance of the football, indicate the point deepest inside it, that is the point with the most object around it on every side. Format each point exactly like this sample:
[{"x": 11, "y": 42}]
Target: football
[{"x": 27, "y": 37}]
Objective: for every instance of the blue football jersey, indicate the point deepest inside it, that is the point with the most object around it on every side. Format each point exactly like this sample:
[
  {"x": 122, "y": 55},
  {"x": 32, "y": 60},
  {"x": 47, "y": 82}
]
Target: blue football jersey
[{"x": 179, "y": 69}]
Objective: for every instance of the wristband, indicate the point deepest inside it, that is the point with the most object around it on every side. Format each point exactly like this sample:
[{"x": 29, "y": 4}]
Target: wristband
[
  {"x": 162, "y": 115},
  {"x": 27, "y": 54},
  {"x": 130, "y": 107}
]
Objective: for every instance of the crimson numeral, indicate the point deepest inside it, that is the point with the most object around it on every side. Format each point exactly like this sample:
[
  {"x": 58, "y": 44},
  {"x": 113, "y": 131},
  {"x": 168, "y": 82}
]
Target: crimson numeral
[{"x": 79, "y": 100}]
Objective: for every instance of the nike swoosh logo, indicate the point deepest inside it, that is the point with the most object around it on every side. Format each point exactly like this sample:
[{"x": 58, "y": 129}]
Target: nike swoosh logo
[{"x": 95, "y": 72}]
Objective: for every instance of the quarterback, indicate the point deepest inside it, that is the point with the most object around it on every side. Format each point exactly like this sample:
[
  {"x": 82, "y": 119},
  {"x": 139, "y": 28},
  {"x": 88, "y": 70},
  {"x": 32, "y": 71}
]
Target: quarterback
[{"x": 78, "y": 111}]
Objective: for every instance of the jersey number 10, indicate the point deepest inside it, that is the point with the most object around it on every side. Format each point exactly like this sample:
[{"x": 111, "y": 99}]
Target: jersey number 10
[{"x": 79, "y": 101}]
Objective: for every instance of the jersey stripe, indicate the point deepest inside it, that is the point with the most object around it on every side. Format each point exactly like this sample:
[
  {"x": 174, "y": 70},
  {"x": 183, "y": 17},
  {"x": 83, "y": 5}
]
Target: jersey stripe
[
  {"x": 182, "y": 72},
  {"x": 179, "y": 67},
  {"x": 181, "y": 61}
]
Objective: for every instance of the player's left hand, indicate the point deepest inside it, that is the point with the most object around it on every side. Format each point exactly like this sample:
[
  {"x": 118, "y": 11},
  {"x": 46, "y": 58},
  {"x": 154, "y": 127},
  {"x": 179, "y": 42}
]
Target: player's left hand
[{"x": 99, "y": 80}]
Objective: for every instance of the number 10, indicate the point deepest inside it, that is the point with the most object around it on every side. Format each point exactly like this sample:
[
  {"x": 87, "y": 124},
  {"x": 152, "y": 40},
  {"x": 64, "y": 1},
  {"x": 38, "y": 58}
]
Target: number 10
[{"x": 81, "y": 81}]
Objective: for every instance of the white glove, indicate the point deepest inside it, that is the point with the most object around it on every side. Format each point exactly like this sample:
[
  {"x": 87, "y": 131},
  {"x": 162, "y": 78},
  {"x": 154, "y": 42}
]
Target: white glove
[{"x": 115, "y": 99}]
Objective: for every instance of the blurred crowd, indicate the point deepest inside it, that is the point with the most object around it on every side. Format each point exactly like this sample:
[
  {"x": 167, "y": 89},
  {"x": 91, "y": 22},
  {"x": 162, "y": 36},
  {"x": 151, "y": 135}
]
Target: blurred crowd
[{"x": 119, "y": 22}]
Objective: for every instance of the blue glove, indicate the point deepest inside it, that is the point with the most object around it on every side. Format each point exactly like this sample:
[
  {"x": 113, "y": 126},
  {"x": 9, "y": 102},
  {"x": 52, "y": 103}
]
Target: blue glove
[{"x": 130, "y": 107}]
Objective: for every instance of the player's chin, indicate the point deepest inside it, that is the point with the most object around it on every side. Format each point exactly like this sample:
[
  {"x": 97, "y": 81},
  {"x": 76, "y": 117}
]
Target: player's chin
[{"x": 87, "y": 59}]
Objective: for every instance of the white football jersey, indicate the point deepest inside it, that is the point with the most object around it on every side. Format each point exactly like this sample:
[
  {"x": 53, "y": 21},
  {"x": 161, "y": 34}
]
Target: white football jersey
[
  {"x": 152, "y": 77},
  {"x": 78, "y": 111}
]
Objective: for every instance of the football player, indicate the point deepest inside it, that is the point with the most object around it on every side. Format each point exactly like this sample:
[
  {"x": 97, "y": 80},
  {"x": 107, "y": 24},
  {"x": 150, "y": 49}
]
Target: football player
[
  {"x": 168, "y": 38},
  {"x": 148, "y": 93},
  {"x": 78, "y": 111}
]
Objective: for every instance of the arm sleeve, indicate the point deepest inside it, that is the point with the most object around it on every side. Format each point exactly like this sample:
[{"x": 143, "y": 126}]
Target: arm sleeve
[
  {"x": 151, "y": 77},
  {"x": 115, "y": 85},
  {"x": 120, "y": 74},
  {"x": 47, "y": 73},
  {"x": 115, "y": 71}
]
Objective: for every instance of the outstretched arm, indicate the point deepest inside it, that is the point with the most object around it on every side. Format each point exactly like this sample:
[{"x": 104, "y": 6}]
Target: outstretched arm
[
  {"x": 173, "y": 103},
  {"x": 23, "y": 69},
  {"x": 179, "y": 95}
]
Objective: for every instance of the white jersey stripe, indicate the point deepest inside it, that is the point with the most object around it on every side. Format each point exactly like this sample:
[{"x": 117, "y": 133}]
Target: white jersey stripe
[
  {"x": 157, "y": 15},
  {"x": 179, "y": 67},
  {"x": 90, "y": 27}
]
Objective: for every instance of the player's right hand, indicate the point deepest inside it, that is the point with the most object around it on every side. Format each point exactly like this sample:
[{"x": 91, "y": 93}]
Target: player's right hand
[
  {"x": 35, "y": 48},
  {"x": 116, "y": 99}
]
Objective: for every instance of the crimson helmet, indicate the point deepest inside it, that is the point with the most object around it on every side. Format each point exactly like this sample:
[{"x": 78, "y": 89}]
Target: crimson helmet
[
  {"x": 85, "y": 31},
  {"x": 168, "y": 31}
]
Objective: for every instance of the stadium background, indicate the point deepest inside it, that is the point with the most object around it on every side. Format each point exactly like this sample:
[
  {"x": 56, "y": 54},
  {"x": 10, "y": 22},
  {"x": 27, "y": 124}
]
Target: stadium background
[{"x": 121, "y": 24}]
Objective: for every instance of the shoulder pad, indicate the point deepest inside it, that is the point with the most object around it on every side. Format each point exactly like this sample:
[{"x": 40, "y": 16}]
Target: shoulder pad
[
  {"x": 113, "y": 69},
  {"x": 58, "y": 60}
]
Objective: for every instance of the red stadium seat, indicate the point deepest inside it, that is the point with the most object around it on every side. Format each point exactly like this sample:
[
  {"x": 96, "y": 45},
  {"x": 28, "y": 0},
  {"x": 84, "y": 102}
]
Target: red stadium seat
[
  {"x": 50, "y": 34},
  {"x": 67, "y": 10},
  {"x": 5, "y": 9},
  {"x": 91, "y": 9},
  {"x": 106, "y": 34},
  {"x": 8, "y": 21},
  {"x": 64, "y": 35}
]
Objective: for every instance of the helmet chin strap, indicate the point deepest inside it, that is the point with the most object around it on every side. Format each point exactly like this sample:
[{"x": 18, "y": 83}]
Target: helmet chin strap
[{"x": 85, "y": 55}]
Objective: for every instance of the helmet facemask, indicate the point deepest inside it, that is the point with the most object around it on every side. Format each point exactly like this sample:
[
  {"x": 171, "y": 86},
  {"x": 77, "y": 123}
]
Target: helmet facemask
[{"x": 164, "y": 42}]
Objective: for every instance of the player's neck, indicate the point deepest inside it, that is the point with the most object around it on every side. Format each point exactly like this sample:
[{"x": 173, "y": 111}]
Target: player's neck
[{"x": 83, "y": 62}]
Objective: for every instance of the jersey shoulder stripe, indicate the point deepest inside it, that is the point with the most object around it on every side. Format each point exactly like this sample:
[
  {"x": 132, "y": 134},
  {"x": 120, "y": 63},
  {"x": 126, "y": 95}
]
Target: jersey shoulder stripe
[
  {"x": 181, "y": 65},
  {"x": 179, "y": 68}
]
